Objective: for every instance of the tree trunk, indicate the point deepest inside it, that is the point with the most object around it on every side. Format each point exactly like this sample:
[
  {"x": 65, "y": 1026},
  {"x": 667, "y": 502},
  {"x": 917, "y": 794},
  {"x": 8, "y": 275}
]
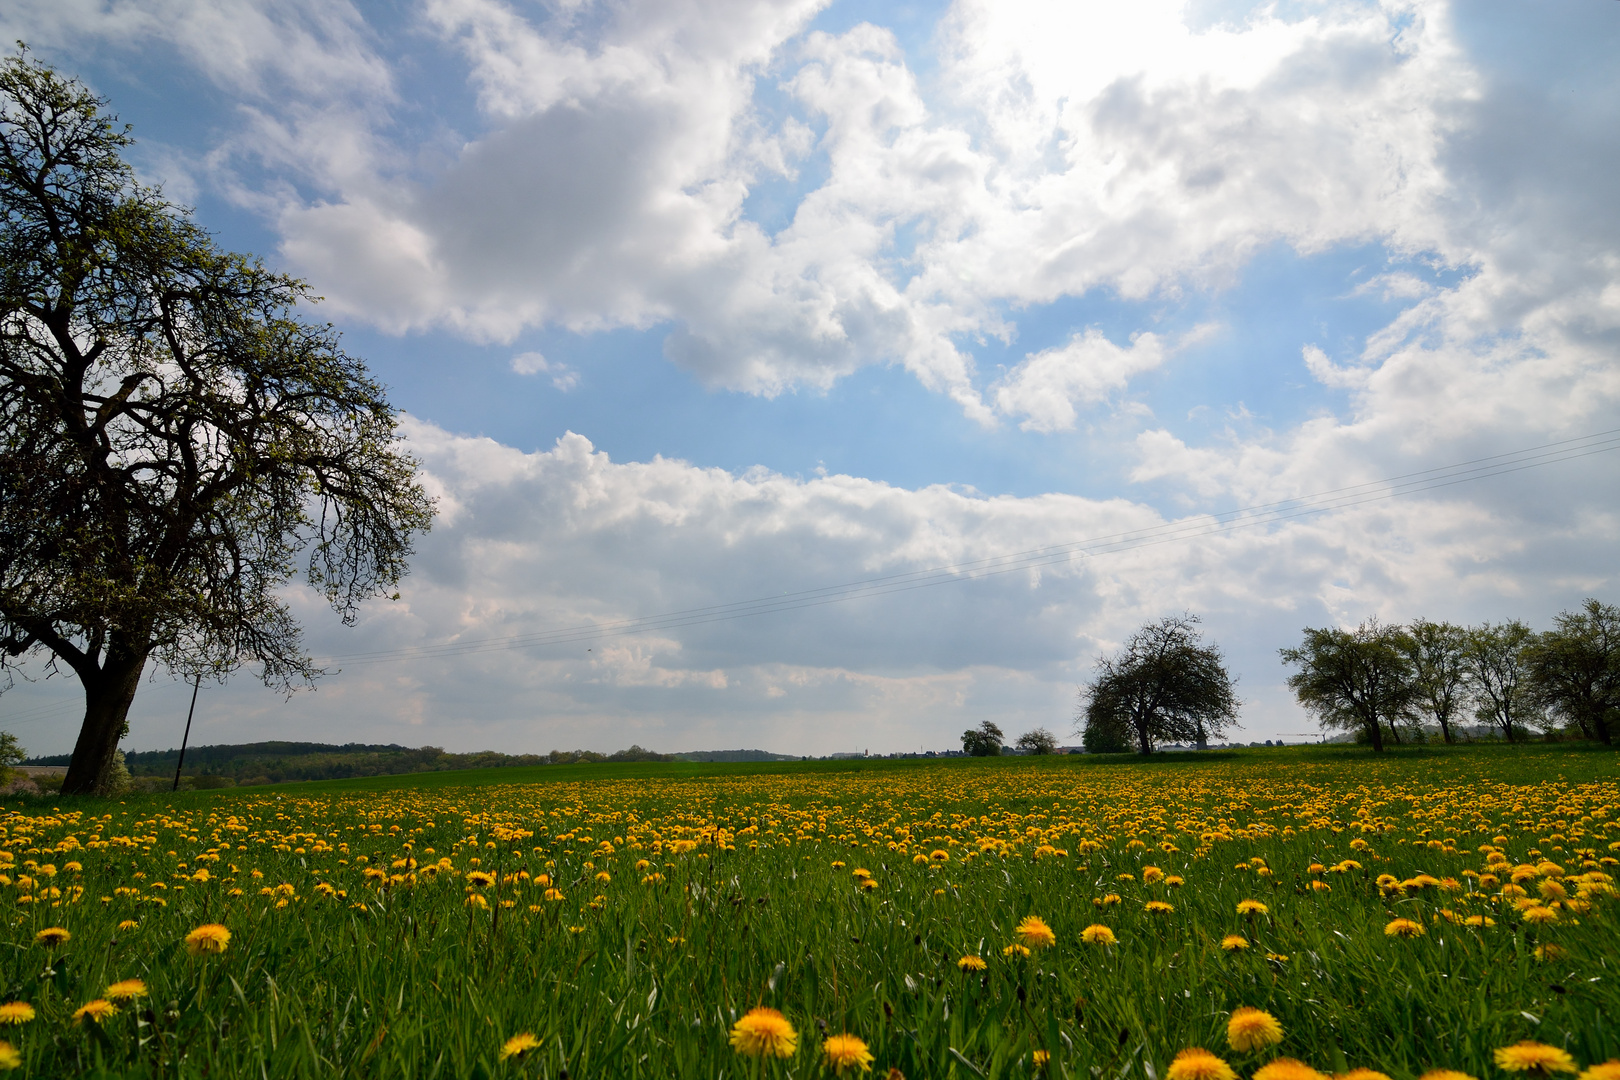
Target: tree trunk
[
  {"x": 1377, "y": 730},
  {"x": 1445, "y": 728},
  {"x": 107, "y": 701}
]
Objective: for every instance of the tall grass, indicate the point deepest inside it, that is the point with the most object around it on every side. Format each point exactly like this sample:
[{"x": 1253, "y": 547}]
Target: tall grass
[{"x": 748, "y": 897}]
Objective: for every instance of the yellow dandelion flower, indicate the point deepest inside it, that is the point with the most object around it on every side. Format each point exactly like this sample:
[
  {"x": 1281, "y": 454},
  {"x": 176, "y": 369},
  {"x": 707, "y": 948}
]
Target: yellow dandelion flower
[
  {"x": 1015, "y": 950},
  {"x": 1538, "y": 913},
  {"x": 1403, "y": 928},
  {"x": 96, "y": 1011},
  {"x": 764, "y": 1032},
  {"x": 1287, "y": 1069},
  {"x": 1362, "y": 1074},
  {"x": 126, "y": 990},
  {"x": 1034, "y": 932},
  {"x": 1196, "y": 1063},
  {"x": 1151, "y": 874},
  {"x": 1550, "y": 952},
  {"x": 518, "y": 1045},
  {"x": 129, "y": 924},
  {"x": 972, "y": 963},
  {"x": 1609, "y": 1070},
  {"x": 9, "y": 1058},
  {"x": 1234, "y": 942},
  {"x": 1252, "y": 1029},
  {"x": 52, "y": 936},
  {"x": 208, "y": 938},
  {"x": 553, "y": 894},
  {"x": 1098, "y": 934},
  {"x": 1445, "y": 1074},
  {"x": 16, "y": 1012},
  {"x": 1252, "y": 907},
  {"x": 844, "y": 1051},
  {"x": 1158, "y": 907},
  {"x": 1537, "y": 1059},
  {"x": 479, "y": 879},
  {"x": 940, "y": 855}
]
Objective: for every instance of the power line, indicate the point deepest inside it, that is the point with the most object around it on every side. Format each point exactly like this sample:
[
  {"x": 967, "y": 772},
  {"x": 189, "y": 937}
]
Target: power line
[{"x": 993, "y": 566}]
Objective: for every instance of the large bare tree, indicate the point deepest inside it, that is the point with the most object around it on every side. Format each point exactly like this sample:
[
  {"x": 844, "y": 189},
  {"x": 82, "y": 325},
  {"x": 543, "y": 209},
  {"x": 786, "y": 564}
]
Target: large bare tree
[{"x": 174, "y": 441}]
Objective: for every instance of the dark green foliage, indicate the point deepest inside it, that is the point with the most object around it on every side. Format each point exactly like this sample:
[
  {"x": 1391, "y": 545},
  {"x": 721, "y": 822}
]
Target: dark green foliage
[
  {"x": 1165, "y": 685},
  {"x": 1039, "y": 741},
  {"x": 278, "y": 762},
  {"x": 982, "y": 741},
  {"x": 1105, "y": 734},
  {"x": 1574, "y": 669}
]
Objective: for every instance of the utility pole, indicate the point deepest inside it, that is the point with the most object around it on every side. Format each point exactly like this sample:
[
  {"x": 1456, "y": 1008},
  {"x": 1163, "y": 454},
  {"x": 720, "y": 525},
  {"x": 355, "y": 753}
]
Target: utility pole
[{"x": 195, "y": 683}]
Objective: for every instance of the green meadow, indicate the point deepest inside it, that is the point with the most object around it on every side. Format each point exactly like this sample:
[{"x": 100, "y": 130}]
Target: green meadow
[{"x": 1410, "y": 912}]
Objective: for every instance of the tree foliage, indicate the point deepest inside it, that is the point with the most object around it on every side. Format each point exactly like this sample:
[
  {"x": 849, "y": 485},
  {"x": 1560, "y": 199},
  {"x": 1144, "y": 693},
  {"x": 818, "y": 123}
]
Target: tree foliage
[
  {"x": 982, "y": 741},
  {"x": 1573, "y": 670},
  {"x": 1434, "y": 652},
  {"x": 1039, "y": 741},
  {"x": 1354, "y": 680},
  {"x": 1164, "y": 685},
  {"x": 1494, "y": 659},
  {"x": 174, "y": 442}
]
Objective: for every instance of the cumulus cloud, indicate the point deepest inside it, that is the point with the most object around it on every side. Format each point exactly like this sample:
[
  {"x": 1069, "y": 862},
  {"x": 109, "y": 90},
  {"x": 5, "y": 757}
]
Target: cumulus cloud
[
  {"x": 1047, "y": 386},
  {"x": 1076, "y": 148}
]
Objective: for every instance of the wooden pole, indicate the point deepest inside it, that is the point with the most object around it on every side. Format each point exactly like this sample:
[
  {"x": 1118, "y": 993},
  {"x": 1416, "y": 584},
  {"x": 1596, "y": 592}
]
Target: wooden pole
[{"x": 195, "y": 683}]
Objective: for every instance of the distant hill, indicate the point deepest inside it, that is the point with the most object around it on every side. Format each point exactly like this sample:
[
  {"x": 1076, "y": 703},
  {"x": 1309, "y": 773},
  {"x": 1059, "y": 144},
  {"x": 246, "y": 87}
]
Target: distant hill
[
  {"x": 713, "y": 756},
  {"x": 277, "y": 762}
]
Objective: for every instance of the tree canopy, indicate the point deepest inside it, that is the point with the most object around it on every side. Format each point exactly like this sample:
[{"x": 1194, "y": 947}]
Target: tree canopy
[
  {"x": 1494, "y": 659},
  {"x": 1164, "y": 685},
  {"x": 1040, "y": 741},
  {"x": 1573, "y": 670},
  {"x": 174, "y": 442},
  {"x": 1357, "y": 680},
  {"x": 982, "y": 741}
]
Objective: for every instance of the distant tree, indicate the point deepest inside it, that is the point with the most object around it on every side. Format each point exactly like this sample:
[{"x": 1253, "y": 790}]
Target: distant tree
[
  {"x": 1354, "y": 680},
  {"x": 982, "y": 741},
  {"x": 1164, "y": 685},
  {"x": 1439, "y": 677},
  {"x": 638, "y": 753},
  {"x": 1039, "y": 741},
  {"x": 174, "y": 442},
  {"x": 11, "y": 752},
  {"x": 1495, "y": 659},
  {"x": 1573, "y": 670}
]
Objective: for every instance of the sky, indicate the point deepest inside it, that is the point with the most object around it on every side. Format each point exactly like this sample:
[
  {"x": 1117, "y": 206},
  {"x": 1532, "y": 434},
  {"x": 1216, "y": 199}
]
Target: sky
[{"x": 691, "y": 305}]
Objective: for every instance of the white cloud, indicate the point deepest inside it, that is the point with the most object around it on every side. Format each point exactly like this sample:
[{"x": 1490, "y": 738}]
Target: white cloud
[
  {"x": 563, "y": 377},
  {"x": 1079, "y": 147},
  {"x": 1048, "y": 385}
]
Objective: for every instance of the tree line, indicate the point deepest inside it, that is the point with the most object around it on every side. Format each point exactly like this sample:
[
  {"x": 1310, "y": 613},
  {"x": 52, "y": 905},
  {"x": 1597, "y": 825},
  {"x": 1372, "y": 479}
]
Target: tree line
[
  {"x": 1387, "y": 683},
  {"x": 1383, "y": 683}
]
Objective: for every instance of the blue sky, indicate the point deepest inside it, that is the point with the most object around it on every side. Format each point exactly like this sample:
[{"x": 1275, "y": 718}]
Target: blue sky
[{"x": 829, "y": 290}]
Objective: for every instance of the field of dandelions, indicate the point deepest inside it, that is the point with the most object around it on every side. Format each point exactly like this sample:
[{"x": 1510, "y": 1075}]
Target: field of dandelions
[{"x": 1282, "y": 916}]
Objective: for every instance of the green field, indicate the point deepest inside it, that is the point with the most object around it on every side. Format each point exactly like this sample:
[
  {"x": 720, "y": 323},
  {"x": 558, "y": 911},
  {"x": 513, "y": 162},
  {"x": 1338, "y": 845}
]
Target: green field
[{"x": 633, "y": 913}]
